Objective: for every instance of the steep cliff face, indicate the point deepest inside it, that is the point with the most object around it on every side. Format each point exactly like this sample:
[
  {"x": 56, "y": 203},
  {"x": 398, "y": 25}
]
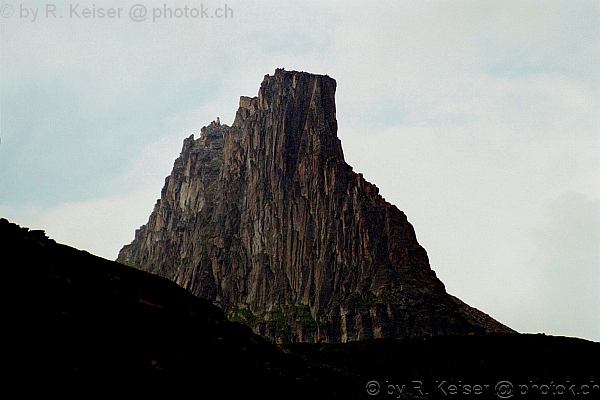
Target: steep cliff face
[{"x": 266, "y": 219}]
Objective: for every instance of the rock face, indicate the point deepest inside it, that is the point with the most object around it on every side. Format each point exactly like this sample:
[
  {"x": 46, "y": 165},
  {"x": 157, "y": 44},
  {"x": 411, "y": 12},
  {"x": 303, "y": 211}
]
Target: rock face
[{"x": 266, "y": 219}]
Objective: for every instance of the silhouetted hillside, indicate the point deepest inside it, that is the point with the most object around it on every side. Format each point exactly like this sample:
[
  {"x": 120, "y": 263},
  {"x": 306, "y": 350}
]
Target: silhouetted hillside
[{"x": 80, "y": 315}]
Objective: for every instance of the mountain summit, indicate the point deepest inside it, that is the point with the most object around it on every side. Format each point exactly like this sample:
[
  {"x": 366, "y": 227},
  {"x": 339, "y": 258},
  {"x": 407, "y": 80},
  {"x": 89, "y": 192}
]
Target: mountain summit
[{"x": 266, "y": 219}]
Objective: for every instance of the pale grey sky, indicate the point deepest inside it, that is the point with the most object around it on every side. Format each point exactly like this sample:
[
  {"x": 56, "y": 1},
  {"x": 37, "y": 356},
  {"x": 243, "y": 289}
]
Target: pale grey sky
[{"x": 479, "y": 119}]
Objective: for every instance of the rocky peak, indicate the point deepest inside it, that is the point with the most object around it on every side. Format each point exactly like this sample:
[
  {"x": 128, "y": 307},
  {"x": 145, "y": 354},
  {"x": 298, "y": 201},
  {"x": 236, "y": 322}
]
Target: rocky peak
[{"x": 266, "y": 219}]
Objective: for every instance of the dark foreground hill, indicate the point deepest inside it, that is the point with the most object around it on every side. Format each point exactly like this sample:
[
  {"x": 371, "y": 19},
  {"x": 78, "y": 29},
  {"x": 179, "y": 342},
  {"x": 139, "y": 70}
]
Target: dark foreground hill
[{"x": 77, "y": 315}]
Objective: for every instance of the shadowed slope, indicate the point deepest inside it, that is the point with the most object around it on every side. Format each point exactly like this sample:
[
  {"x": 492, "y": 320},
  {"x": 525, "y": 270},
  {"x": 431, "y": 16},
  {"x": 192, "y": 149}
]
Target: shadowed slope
[{"x": 76, "y": 312}]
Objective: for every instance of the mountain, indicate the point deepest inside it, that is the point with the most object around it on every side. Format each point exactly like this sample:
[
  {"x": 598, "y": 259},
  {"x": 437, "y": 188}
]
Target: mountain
[{"x": 266, "y": 219}]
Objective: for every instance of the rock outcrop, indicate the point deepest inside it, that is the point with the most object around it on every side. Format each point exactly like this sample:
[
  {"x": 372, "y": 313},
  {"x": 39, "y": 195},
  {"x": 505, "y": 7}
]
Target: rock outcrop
[{"x": 266, "y": 219}]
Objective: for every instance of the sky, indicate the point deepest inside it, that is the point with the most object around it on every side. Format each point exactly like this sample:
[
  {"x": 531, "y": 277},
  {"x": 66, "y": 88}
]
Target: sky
[{"x": 479, "y": 119}]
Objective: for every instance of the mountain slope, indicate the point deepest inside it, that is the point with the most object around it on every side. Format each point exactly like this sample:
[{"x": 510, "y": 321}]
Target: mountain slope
[{"x": 76, "y": 314}]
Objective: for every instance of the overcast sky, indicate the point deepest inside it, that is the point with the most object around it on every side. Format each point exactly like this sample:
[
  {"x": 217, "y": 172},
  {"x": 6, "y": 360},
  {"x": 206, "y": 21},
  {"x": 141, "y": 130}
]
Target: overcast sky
[{"x": 478, "y": 119}]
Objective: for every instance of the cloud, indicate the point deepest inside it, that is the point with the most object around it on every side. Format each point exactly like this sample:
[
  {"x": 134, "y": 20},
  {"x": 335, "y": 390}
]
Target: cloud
[
  {"x": 103, "y": 225},
  {"x": 98, "y": 225},
  {"x": 568, "y": 251}
]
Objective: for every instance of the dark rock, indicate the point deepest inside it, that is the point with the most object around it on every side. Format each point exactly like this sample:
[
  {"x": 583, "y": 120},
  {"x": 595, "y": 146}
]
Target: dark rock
[{"x": 266, "y": 219}]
